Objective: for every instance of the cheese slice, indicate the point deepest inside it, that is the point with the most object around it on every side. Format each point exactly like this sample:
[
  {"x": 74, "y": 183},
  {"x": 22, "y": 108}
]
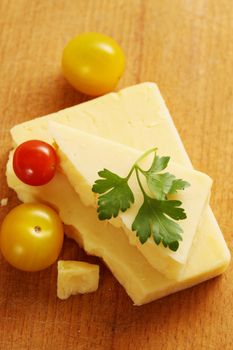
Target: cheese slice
[
  {"x": 82, "y": 155},
  {"x": 76, "y": 277},
  {"x": 208, "y": 257},
  {"x": 135, "y": 116}
]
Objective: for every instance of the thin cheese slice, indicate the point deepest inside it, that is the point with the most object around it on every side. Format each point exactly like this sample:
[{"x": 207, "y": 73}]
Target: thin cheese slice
[{"x": 82, "y": 155}]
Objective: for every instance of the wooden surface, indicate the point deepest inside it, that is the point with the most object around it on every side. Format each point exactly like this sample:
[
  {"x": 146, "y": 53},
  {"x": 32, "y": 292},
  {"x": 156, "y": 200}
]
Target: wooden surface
[{"x": 186, "y": 46}]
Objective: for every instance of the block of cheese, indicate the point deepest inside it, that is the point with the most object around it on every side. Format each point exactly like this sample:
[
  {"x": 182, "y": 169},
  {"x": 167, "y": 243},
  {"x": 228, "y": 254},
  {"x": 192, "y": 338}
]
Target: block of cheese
[
  {"x": 208, "y": 257},
  {"x": 82, "y": 155},
  {"x": 135, "y": 116},
  {"x": 76, "y": 277}
]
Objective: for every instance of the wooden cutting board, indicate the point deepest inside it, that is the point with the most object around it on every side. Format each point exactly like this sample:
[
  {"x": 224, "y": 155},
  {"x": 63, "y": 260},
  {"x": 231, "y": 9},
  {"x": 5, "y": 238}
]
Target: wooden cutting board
[{"x": 186, "y": 46}]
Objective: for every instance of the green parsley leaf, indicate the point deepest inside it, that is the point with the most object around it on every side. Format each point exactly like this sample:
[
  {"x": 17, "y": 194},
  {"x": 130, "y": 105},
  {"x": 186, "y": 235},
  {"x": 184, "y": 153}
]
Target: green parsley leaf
[
  {"x": 178, "y": 184},
  {"x": 152, "y": 219},
  {"x": 158, "y": 164},
  {"x": 161, "y": 185},
  {"x": 115, "y": 194}
]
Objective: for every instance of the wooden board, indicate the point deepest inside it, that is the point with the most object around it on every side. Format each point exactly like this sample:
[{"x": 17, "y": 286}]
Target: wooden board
[{"x": 186, "y": 46}]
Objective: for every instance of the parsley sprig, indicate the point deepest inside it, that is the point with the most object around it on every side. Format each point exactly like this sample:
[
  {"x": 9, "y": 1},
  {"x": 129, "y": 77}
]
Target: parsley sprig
[{"x": 157, "y": 214}]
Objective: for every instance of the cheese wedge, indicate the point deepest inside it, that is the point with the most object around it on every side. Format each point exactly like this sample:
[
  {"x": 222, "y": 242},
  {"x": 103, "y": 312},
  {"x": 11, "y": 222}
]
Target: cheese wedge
[
  {"x": 82, "y": 155},
  {"x": 135, "y": 116},
  {"x": 76, "y": 277}
]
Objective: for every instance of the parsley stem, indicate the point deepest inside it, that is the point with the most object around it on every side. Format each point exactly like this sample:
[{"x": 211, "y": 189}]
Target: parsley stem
[
  {"x": 139, "y": 181},
  {"x": 135, "y": 166},
  {"x": 141, "y": 170},
  {"x": 130, "y": 172},
  {"x": 145, "y": 154}
]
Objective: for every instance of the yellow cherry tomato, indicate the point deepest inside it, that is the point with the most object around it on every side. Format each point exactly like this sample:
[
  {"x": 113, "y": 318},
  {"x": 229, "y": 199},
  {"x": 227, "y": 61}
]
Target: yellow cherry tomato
[
  {"x": 93, "y": 63},
  {"x": 31, "y": 237}
]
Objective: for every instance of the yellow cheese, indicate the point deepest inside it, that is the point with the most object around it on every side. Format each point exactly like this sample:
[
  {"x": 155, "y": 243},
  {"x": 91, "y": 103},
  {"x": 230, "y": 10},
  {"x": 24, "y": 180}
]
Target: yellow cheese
[
  {"x": 75, "y": 277},
  {"x": 136, "y": 116},
  {"x": 208, "y": 257},
  {"x": 83, "y": 155}
]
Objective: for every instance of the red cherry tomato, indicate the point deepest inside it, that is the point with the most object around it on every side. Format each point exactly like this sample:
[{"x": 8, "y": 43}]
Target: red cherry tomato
[{"x": 35, "y": 162}]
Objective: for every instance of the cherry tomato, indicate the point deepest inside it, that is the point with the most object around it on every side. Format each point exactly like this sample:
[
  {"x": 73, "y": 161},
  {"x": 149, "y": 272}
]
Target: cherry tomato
[
  {"x": 31, "y": 237},
  {"x": 35, "y": 162},
  {"x": 93, "y": 63}
]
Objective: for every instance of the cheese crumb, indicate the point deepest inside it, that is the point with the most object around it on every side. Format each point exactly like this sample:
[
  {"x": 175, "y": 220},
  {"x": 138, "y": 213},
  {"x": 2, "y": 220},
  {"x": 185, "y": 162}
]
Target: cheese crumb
[
  {"x": 4, "y": 202},
  {"x": 76, "y": 277}
]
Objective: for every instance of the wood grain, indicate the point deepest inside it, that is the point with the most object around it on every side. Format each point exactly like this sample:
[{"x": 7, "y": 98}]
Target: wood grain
[{"x": 186, "y": 46}]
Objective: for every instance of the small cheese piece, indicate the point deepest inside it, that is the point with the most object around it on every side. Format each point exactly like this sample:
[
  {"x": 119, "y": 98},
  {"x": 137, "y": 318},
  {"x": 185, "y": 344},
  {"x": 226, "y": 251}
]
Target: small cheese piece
[
  {"x": 82, "y": 155},
  {"x": 76, "y": 277}
]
